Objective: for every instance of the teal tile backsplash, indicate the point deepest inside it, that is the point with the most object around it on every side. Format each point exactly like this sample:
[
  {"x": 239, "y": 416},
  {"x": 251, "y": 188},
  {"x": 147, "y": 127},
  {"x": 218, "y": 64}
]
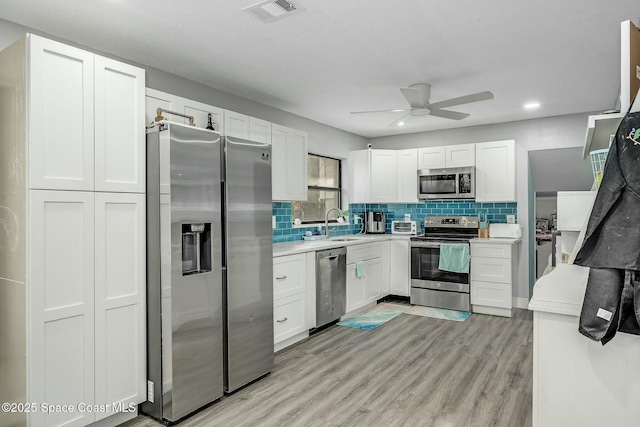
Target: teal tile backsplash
[{"x": 497, "y": 213}]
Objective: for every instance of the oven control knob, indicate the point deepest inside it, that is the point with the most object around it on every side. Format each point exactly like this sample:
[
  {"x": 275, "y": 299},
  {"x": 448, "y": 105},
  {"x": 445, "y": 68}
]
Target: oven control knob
[{"x": 438, "y": 285}]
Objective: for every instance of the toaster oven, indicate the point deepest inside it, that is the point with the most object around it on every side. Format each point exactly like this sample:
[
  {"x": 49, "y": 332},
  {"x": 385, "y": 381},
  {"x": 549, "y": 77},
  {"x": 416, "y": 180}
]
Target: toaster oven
[{"x": 404, "y": 227}]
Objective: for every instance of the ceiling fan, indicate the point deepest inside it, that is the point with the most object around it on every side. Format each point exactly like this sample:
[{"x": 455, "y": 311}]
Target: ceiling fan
[{"x": 418, "y": 95}]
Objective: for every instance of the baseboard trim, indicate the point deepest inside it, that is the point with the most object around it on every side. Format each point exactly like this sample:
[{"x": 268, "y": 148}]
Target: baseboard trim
[{"x": 520, "y": 302}]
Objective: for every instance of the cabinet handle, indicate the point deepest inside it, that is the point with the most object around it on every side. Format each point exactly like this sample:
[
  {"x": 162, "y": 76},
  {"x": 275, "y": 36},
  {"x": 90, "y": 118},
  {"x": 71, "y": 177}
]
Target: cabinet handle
[
  {"x": 281, "y": 277},
  {"x": 283, "y": 320}
]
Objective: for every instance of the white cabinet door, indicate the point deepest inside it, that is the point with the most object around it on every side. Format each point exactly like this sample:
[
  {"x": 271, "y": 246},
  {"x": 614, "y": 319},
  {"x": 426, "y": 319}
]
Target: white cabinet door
[
  {"x": 61, "y": 130},
  {"x": 120, "y": 300},
  {"x": 408, "y": 176},
  {"x": 288, "y": 163},
  {"x": 400, "y": 267},
  {"x": 289, "y": 275},
  {"x": 431, "y": 158},
  {"x": 495, "y": 171},
  {"x": 383, "y": 176},
  {"x": 61, "y": 304},
  {"x": 200, "y": 113},
  {"x": 259, "y": 130},
  {"x": 155, "y": 99},
  {"x": 356, "y": 287},
  {"x": 459, "y": 156},
  {"x": 373, "y": 280},
  {"x": 236, "y": 124},
  {"x": 289, "y": 317},
  {"x": 490, "y": 269},
  {"x": 359, "y": 164},
  {"x": 491, "y": 294},
  {"x": 119, "y": 127}
]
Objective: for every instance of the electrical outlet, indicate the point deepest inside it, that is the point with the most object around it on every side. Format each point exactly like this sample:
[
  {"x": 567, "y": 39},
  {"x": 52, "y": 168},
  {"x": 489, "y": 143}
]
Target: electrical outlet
[
  {"x": 273, "y": 221},
  {"x": 356, "y": 219},
  {"x": 511, "y": 219}
]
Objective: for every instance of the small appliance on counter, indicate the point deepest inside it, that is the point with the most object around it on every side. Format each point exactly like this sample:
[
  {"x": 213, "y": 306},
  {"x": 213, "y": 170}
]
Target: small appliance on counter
[
  {"x": 409, "y": 228},
  {"x": 375, "y": 223},
  {"x": 506, "y": 231}
]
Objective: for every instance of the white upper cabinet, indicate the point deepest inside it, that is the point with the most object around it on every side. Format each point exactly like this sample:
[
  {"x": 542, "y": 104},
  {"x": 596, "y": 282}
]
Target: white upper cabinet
[
  {"x": 200, "y": 113},
  {"x": 86, "y": 121},
  {"x": 450, "y": 156},
  {"x": 259, "y": 130},
  {"x": 460, "y": 156},
  {"x": 155, "y": 99},
  {"x": 495, "y": 171},
  {"x": 61, "y": 116},
  {"x": 431, "y": 158},
  {"x": 119, "y": 127},
  {"x": 384, "y": 176},
  {"x": 288, "y": 163},
  {"x": 408, "y": 175},
  {"x": 236, "y": 124}
]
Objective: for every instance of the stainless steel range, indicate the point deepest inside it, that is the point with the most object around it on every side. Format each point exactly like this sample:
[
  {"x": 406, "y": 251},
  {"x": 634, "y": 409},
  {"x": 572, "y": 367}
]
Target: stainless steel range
[{"x": 431, "y": 286}]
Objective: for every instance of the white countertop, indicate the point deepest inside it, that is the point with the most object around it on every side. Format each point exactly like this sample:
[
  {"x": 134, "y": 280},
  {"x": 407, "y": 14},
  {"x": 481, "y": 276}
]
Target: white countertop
[
  {"x": 494, "y": 240},
  {"x": 301, "y": 246},
  {"x": 561, "y": 291}
]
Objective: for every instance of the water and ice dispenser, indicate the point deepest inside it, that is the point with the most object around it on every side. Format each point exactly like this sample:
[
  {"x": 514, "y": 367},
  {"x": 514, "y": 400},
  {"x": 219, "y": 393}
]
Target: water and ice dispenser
[{"x": 196, "y": 248}]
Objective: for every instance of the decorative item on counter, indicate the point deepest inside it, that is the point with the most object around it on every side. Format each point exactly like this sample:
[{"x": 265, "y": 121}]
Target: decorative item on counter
[
  {"x": 343, "y": 217},
  {"x": 483, "y": 225}
]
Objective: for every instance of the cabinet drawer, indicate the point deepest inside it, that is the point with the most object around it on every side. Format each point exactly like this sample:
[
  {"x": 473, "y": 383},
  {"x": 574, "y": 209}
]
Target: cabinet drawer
[
  {"x": 363, "y": 252},
  {"x": 289, "y": 317},
  {"x": 289, "y": 275},
  {"x": 491, "y": 294},
  {"x": 490, "y": 270},
  {"x": 491, "y": 250}
]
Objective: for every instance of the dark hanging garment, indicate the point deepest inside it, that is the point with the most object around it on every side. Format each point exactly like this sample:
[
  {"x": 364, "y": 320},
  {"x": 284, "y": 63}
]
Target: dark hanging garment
[{"x": 612, "y": 242}]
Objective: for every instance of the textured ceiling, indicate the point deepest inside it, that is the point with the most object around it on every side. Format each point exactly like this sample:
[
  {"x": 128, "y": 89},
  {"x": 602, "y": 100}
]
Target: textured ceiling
[{"x": 337, "y": 57}]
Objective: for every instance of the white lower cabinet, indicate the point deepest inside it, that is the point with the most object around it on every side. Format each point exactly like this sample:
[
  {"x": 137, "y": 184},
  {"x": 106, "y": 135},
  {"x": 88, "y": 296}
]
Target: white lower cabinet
[
  {"x": 400, "y": 268},
  {"x": 493, "y": 275},
  {"x": 87, "y": 281},
  {"x": 290, "y": 316},
  {"x": 368, "y": 288},
  {"x": 290, "y": 304}
]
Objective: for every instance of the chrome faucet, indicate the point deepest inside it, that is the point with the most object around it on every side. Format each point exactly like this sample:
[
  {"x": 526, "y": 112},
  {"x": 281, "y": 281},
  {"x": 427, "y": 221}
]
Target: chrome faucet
[{"x": 326, "y": 220}]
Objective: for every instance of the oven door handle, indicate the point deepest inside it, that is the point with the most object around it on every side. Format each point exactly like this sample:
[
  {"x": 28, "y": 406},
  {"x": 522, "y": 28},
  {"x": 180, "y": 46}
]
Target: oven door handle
[{"x": 425, "y": 244}]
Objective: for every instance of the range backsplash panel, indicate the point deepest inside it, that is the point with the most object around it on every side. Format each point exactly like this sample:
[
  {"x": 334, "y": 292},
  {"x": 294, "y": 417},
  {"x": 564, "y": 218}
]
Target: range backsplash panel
[{"x": 496, "y": 212}]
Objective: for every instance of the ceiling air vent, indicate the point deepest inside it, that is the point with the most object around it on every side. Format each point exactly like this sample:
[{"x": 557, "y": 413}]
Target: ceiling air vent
[{"x": 270, "y": 10}]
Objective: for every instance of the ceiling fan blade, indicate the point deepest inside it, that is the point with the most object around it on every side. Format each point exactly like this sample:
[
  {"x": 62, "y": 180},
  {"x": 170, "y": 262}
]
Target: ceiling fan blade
[
  {"x": 467, "y": 99},
  {"x": 454, "y": 115},
  {"x": 378, "y": 111},
  {"x": 399, "y": 120},
  {"x": 413, "y": 96}
]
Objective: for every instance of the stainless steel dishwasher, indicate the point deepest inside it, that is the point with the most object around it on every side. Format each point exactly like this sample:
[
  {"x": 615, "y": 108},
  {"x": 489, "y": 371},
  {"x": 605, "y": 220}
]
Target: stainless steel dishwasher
[{"x": 331, "y": 285}]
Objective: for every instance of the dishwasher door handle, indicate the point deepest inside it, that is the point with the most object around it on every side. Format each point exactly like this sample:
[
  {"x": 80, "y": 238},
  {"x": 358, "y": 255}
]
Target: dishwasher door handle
[{"x": 332, "y": 258}]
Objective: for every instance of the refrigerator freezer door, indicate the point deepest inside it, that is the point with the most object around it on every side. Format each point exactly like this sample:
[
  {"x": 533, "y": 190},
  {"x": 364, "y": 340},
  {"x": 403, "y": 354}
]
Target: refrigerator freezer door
[
  {"x": 249, "y": 262},
  {"x": 184, "y": 262}
]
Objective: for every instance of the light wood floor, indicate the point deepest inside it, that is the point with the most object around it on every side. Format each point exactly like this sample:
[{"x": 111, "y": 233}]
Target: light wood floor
[{"x": 411, "y": 371}]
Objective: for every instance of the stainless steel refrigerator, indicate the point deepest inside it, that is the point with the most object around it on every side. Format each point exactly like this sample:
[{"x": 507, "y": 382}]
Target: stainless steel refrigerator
[{"x": 209, "y": 267}]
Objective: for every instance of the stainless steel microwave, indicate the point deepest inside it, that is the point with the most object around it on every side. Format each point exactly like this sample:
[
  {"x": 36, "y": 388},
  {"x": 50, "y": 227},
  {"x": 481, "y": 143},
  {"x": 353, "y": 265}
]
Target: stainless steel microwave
[{"x": 448, "y": 183}]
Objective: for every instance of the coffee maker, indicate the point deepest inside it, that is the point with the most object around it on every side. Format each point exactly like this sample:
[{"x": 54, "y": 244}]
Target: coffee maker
[{"x": 375, "y": 223}]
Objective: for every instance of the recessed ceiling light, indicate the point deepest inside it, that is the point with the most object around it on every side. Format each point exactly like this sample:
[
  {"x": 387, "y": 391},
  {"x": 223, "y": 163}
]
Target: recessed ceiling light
[
  {"x": 531, "y": 105},
  {"x": 396, "y": 111},
  {"x": 401, "y": 124}
]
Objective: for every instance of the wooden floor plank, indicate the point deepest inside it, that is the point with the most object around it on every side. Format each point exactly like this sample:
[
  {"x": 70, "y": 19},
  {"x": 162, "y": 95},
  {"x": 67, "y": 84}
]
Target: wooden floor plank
[{"x": 411, "y": 371}]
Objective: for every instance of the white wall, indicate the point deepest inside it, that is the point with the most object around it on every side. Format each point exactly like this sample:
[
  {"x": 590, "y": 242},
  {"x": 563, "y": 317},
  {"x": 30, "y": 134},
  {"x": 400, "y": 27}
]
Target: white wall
[{"x": 537, "y": 134}]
